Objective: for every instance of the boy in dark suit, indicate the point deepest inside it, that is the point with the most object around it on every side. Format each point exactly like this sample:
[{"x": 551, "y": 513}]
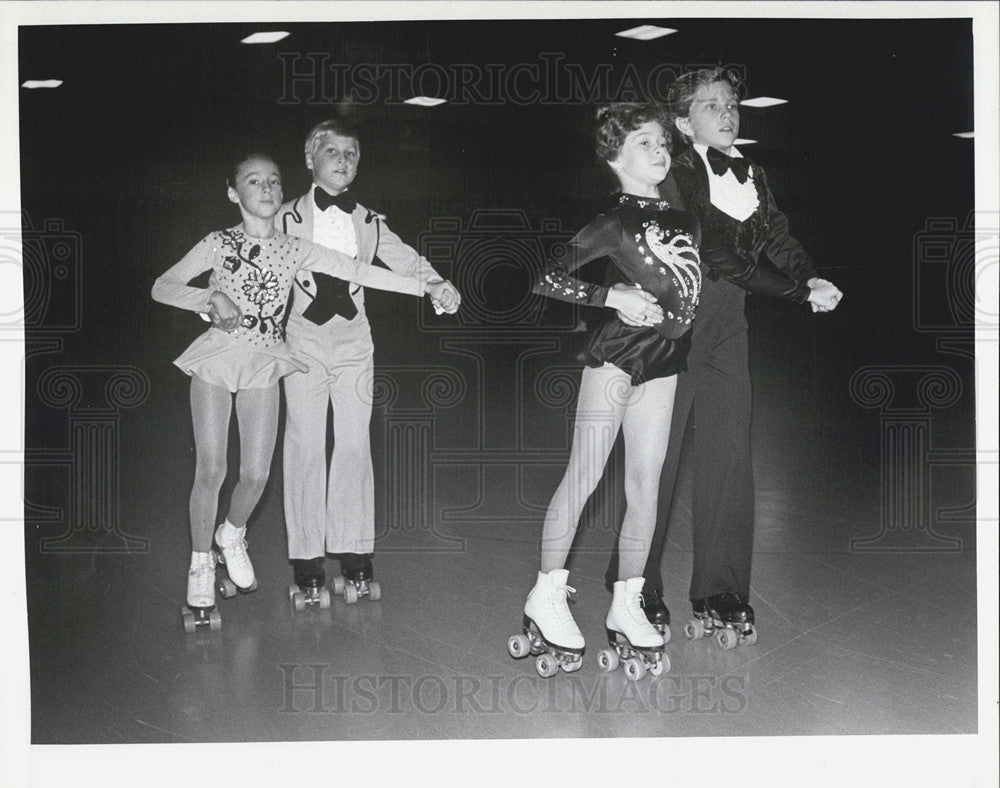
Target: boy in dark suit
[{"x": 740, "y": 221}]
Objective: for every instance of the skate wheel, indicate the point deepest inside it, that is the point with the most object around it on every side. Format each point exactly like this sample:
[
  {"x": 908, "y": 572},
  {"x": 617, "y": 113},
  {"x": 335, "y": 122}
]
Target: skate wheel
[
  {"x": 661, "y": 666},
  {"x": 666, "y": 635},
  {"x": 374, "y": 591},
  {"x": 518, "y": 646},
  {"x": 299, "y": 601},
  {"x": 546, "y": 666},
  {"x": 225, "y": 587},
  {"x": 293, "y": 589},
  {"x": 338, "y": 584},
  {"x": 726, "y": 638},
  {"x": 189, "y": 625},
  {"x": 350, "y": 593},
  {"x": 324, "y": 598},
  {"x": 634, "y": 669},
  {"x": 572, "y": 667},
  {"x": 215, "y": 621},
  {"x": 750, "y": 638},
  {"x": 694, "y": 629},
  {"x": 250, "y": 588},
  {"x": 607, "y": 660}
]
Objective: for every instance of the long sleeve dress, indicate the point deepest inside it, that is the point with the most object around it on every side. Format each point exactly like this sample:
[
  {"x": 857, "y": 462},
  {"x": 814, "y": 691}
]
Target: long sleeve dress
[
  {"x": 655, "y": 247},
  {"x": 257, "y": 275}
]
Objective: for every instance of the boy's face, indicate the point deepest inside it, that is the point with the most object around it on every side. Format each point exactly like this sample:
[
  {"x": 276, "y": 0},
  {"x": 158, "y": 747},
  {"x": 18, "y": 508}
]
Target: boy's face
[
  {"x": 714, "y": 119},
  {"x": 334, "y": 162},
  {"x": 643, "y": 159},
  {"x": 258, "y": 188}
]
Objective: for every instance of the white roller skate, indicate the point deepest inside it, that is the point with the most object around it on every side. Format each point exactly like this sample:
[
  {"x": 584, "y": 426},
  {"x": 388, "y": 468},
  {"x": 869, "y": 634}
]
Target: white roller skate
[
  {"x": 200, "y": 609},
  {"x": 231, "y": 552},
  {"x": 636, "y": 644},
  {"x": 550, "y": 633}
]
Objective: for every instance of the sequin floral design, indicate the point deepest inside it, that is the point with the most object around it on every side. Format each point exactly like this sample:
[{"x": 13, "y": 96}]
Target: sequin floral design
[{"x": 260, "y": 286}]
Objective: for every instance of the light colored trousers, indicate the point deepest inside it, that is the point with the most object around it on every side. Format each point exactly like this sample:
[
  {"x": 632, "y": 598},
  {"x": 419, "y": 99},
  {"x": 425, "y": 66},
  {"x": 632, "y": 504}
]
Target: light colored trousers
[{"x": 335, "y": 512}]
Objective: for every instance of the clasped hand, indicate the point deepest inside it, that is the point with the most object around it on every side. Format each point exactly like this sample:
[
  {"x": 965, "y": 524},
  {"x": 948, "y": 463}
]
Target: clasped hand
[
  {"x": 444, "y": 296},
  {"x": 223, "y": 313},
  {"x": 823, "y": 295},
  {"x": 635, "y": 306}
]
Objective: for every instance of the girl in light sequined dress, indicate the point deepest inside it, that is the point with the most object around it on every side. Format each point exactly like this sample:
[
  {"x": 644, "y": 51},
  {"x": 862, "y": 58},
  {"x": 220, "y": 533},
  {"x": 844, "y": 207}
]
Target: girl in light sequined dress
[
  {"x": 628, "y": 383},
  {"x": 252, "y": 268}
]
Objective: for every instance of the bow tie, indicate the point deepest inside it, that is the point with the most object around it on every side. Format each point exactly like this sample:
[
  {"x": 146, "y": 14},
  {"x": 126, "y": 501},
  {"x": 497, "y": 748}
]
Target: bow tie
[
  {"x": 345, "y": 200},
  {"x": 720, "y": 162}
]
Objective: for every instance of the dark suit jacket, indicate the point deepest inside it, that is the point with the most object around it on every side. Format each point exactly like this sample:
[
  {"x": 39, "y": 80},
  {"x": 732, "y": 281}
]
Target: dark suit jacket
[{"x": 731, "y": 249}]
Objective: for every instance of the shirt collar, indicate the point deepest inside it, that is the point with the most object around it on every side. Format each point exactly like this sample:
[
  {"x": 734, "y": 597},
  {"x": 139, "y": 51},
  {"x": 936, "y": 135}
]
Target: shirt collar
[{"x": 733, "y": 151}]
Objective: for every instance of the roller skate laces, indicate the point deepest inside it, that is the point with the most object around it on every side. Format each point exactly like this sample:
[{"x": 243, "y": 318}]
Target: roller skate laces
[
  {"x": 201, "y": 581},
  {"x": 233, "y": 546}
]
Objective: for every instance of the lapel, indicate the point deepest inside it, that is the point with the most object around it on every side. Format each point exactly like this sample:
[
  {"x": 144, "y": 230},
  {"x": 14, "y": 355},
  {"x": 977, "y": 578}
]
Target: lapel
[
  {"x": 297, "y": 217},
  {"x": 364, "y": 232}
]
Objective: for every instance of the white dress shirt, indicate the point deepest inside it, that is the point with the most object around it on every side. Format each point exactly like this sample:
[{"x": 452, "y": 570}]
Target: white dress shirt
[{"x": 736, "y": 199}]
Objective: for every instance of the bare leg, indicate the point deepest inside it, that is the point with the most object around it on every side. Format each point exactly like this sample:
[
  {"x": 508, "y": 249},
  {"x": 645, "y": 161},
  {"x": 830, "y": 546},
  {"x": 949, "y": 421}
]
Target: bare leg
[
  {"x": 646, "y": 425},
  {"x": 603, "y": 394}
]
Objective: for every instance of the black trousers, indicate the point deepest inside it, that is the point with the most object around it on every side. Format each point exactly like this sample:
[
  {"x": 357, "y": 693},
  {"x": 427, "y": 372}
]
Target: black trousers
[{"x": 711, "y": 421}]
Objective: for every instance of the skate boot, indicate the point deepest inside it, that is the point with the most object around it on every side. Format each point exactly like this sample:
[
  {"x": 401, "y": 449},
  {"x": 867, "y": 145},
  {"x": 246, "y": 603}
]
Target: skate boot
[
  {"x": 656, "y": 612},
  {"x": 728, "y": 615},
  {"x": 200, "y": 609},
  {"x": 356, "y": 580},
  {"x": 549, "y": 631},
  {"x": 231, "y": 552},
  {"x": 309, "y": 587},
  {"x": 635, "y": 643}
]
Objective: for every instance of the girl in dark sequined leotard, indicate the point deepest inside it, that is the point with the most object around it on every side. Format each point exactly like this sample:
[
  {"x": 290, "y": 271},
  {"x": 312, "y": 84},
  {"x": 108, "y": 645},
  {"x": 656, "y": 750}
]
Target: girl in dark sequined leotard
[{"x": 630, "y": 378}]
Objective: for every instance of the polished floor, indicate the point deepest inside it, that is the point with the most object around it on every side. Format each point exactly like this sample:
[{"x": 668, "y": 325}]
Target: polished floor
[{"x": 866, "y": 627}]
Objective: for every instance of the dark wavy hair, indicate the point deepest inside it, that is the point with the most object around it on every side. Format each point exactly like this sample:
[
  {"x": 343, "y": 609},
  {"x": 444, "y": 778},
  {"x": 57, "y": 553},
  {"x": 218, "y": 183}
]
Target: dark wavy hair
[
  {"x": 616, "y": 121},
  {"x": 680, "y": 94}
]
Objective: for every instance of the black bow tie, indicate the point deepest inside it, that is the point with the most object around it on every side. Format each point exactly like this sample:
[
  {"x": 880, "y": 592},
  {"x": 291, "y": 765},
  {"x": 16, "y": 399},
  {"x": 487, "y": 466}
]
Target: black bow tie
[
  {"x": 345, "y": 200},
  {"x": 720, "y": 162}
]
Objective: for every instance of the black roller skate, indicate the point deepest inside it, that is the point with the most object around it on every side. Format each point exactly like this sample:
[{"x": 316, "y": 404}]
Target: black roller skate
[
  {"x": 309, "y": 587},
  {"x": 656, "y": 612},
  {"x": 635, "y": 643},
  {"x": 356, "y": 580},
  {"x": 548, "y": 611},
  {"x": 727, "y": 615}
]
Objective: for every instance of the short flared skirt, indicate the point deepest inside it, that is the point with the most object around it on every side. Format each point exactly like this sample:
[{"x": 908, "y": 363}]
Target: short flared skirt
[
  {"x": 642, "y": 353},
  {"x": 225, "y": 360}
]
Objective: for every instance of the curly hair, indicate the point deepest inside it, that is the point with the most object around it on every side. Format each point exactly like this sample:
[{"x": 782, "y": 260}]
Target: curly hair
[{"x": 616, "y": 121}]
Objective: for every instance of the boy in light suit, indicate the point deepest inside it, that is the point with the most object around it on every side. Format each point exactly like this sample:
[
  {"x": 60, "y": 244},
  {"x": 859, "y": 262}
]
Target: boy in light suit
[{"x": 328, "y": 329}]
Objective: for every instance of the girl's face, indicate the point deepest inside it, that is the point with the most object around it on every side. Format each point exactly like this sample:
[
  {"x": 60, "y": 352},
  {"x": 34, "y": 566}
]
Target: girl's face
[
  {"x": 643, "y": 160},
  {"x": 714, "y": 118},
  {"x": 334, "y": 163},
  {"x": 258, "y": 188}
]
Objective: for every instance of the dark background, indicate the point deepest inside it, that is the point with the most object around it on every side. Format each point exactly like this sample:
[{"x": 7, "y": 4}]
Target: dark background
[{"x": 126, "y": 162}]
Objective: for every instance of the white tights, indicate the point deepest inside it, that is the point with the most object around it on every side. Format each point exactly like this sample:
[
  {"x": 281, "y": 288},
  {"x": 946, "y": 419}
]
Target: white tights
[
  {"x": 608, "y": 401},
  {"x": 257, "y": 415}
]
